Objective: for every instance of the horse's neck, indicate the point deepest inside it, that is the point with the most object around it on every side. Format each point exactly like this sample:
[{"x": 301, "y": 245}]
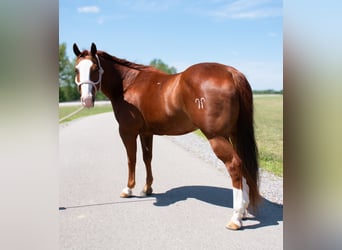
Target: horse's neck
[
  {"x": 115, "y": 76},
  {"x": 128, "y": 77}
]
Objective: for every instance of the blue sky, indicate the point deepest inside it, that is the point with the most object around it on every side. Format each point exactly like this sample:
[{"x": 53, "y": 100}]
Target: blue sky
[{"x": 246, "y": 34}]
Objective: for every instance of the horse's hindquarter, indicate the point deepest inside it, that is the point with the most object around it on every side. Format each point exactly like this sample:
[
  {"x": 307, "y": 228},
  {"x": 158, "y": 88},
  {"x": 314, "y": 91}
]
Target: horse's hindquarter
[
  {"x": 211, "y": 98},
  {"x": 159, "y": 101}
]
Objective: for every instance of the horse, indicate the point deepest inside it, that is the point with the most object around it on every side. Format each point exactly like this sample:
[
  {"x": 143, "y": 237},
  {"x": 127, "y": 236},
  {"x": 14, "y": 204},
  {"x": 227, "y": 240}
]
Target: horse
[{"x": 212, "y": 97}]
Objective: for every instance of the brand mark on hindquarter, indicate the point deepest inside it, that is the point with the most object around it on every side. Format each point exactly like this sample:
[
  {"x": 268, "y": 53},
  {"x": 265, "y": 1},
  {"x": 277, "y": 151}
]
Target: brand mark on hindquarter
[{"x": 200, "y": 102}]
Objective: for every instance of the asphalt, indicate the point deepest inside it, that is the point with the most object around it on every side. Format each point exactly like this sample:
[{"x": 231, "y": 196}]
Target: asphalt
[{"x": 191, "y": 204}]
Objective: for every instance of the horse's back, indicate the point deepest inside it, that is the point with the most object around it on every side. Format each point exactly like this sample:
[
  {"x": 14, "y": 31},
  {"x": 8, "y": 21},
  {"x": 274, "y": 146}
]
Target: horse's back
[{"x": 208, "y": 71}]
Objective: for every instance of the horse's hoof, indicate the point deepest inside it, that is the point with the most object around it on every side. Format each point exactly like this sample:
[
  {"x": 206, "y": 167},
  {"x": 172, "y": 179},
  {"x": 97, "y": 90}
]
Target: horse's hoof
[
  {"x": 232, "y": 226},
  {"x": 146, "y": 191},
  {"x": 126, "y": 193},
  {"x": 245, "y": 215}
]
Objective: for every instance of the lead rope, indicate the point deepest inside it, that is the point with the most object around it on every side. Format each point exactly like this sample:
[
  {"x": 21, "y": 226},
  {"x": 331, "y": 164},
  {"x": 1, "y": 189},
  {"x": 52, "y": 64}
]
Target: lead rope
[{"x": 71, "y": 114}]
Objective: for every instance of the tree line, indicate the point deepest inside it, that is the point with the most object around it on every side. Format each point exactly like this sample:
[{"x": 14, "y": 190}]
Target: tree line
[{"x": 268, "y": 92}]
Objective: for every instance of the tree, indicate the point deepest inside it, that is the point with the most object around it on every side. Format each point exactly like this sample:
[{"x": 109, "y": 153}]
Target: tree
[
  {"x": 64, "y": 65},
  {"x": 159, "y": 64},
  {"x": 67, "y": 87}
]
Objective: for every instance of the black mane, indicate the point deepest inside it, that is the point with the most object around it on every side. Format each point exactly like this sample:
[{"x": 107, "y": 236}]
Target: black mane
[{"x": 126, "y": 63}]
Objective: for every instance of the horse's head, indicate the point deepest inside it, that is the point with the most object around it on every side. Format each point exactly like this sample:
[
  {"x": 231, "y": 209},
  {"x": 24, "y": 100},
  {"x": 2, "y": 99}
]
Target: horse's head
[{"x": 88, "y": 74}]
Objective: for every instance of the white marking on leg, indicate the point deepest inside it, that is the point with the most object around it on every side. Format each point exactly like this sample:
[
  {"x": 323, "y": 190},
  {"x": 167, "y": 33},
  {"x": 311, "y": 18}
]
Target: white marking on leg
[
  {"x": 127, "y": 191},
  {"x": 240, "y": 202},
  {"x": 245, "y": 192}
]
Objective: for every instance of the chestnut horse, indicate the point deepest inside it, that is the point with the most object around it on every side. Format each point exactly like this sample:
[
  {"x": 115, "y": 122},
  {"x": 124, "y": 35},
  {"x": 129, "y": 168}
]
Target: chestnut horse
[{"x": 215, "y": 98}]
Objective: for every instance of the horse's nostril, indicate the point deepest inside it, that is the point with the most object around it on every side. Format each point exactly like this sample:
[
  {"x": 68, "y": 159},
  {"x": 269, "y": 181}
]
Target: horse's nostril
[{"x": 88, "y": 102}]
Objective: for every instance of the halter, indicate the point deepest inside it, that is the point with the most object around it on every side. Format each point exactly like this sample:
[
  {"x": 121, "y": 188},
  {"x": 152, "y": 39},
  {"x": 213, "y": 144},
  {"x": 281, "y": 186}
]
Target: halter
[{"x": 101, "y": 71}]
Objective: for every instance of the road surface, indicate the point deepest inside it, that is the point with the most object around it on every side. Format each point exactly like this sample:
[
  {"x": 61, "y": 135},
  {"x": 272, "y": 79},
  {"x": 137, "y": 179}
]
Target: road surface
[{"x": 191, "y": 204}]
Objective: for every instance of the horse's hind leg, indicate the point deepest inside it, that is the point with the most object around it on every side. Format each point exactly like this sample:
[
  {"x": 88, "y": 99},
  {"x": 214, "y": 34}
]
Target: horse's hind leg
[
  {"x": 225, "y": 151},
  {"x": 146, "y": 145}
]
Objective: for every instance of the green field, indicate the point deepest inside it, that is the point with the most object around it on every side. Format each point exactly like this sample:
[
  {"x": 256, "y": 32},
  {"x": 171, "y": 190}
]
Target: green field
[{"x": 268, "y": 118}]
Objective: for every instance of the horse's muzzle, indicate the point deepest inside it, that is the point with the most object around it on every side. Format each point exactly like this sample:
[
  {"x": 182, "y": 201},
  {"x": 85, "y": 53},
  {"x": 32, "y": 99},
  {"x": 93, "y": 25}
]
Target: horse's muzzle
[
  {"x": 88, "y": 92},
  {"x": 88, "y": 101}
]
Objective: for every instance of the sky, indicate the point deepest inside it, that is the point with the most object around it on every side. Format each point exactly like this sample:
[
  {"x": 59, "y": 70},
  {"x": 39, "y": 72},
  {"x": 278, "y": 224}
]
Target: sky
[{"x": 245, "y": 34}]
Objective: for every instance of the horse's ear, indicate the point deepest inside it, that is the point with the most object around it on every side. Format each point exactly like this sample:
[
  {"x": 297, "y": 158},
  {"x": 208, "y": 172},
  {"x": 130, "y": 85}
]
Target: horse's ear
[
  {"x": 93, "y": 49},
  {"x": 76, "y": 50}
]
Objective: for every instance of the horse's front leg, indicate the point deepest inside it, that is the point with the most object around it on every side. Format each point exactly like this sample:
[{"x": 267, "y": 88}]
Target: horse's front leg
[
  {"x": 146, "y": 145},
  {"x": 130, "y": 142}
]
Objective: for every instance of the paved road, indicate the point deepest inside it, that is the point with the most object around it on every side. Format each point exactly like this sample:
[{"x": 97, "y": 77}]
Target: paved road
[{"x": 189, "y": 210}]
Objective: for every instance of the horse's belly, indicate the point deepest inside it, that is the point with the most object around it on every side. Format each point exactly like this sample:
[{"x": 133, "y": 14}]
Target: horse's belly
[{"x": 171, "y": 127}]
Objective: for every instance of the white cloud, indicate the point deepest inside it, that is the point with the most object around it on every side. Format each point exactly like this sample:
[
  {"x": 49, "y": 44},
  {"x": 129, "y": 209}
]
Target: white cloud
[
  {"x": 105, "y": 19},
  {"x": 272, "y": 34},
  {"x": 248, "y": 9},
  {"x": 149, "y": 5},
  {"x": 88, "y": 9}
]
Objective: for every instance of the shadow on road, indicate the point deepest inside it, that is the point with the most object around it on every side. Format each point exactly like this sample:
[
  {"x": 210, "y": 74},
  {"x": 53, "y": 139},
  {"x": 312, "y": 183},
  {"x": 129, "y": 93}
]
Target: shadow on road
[{"x": 268, "y": 213}]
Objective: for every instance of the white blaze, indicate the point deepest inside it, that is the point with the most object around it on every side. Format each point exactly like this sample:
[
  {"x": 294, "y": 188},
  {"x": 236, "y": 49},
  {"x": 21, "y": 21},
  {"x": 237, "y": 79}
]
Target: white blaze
[
  {"x": 84, "y": 70},
  {"x": 84, "y": 77},
  {"x": 86, "y": 90}
]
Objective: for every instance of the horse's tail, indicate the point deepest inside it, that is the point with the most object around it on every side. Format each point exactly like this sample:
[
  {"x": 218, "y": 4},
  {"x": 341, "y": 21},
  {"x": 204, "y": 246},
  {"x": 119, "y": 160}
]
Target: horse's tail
[{"x": 246, "y": 145}]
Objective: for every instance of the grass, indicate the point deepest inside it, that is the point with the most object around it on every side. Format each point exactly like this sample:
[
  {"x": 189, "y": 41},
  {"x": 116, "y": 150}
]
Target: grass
[
  {"x": 268, "y": 118},
  {"x": 64, "y": 111}
]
